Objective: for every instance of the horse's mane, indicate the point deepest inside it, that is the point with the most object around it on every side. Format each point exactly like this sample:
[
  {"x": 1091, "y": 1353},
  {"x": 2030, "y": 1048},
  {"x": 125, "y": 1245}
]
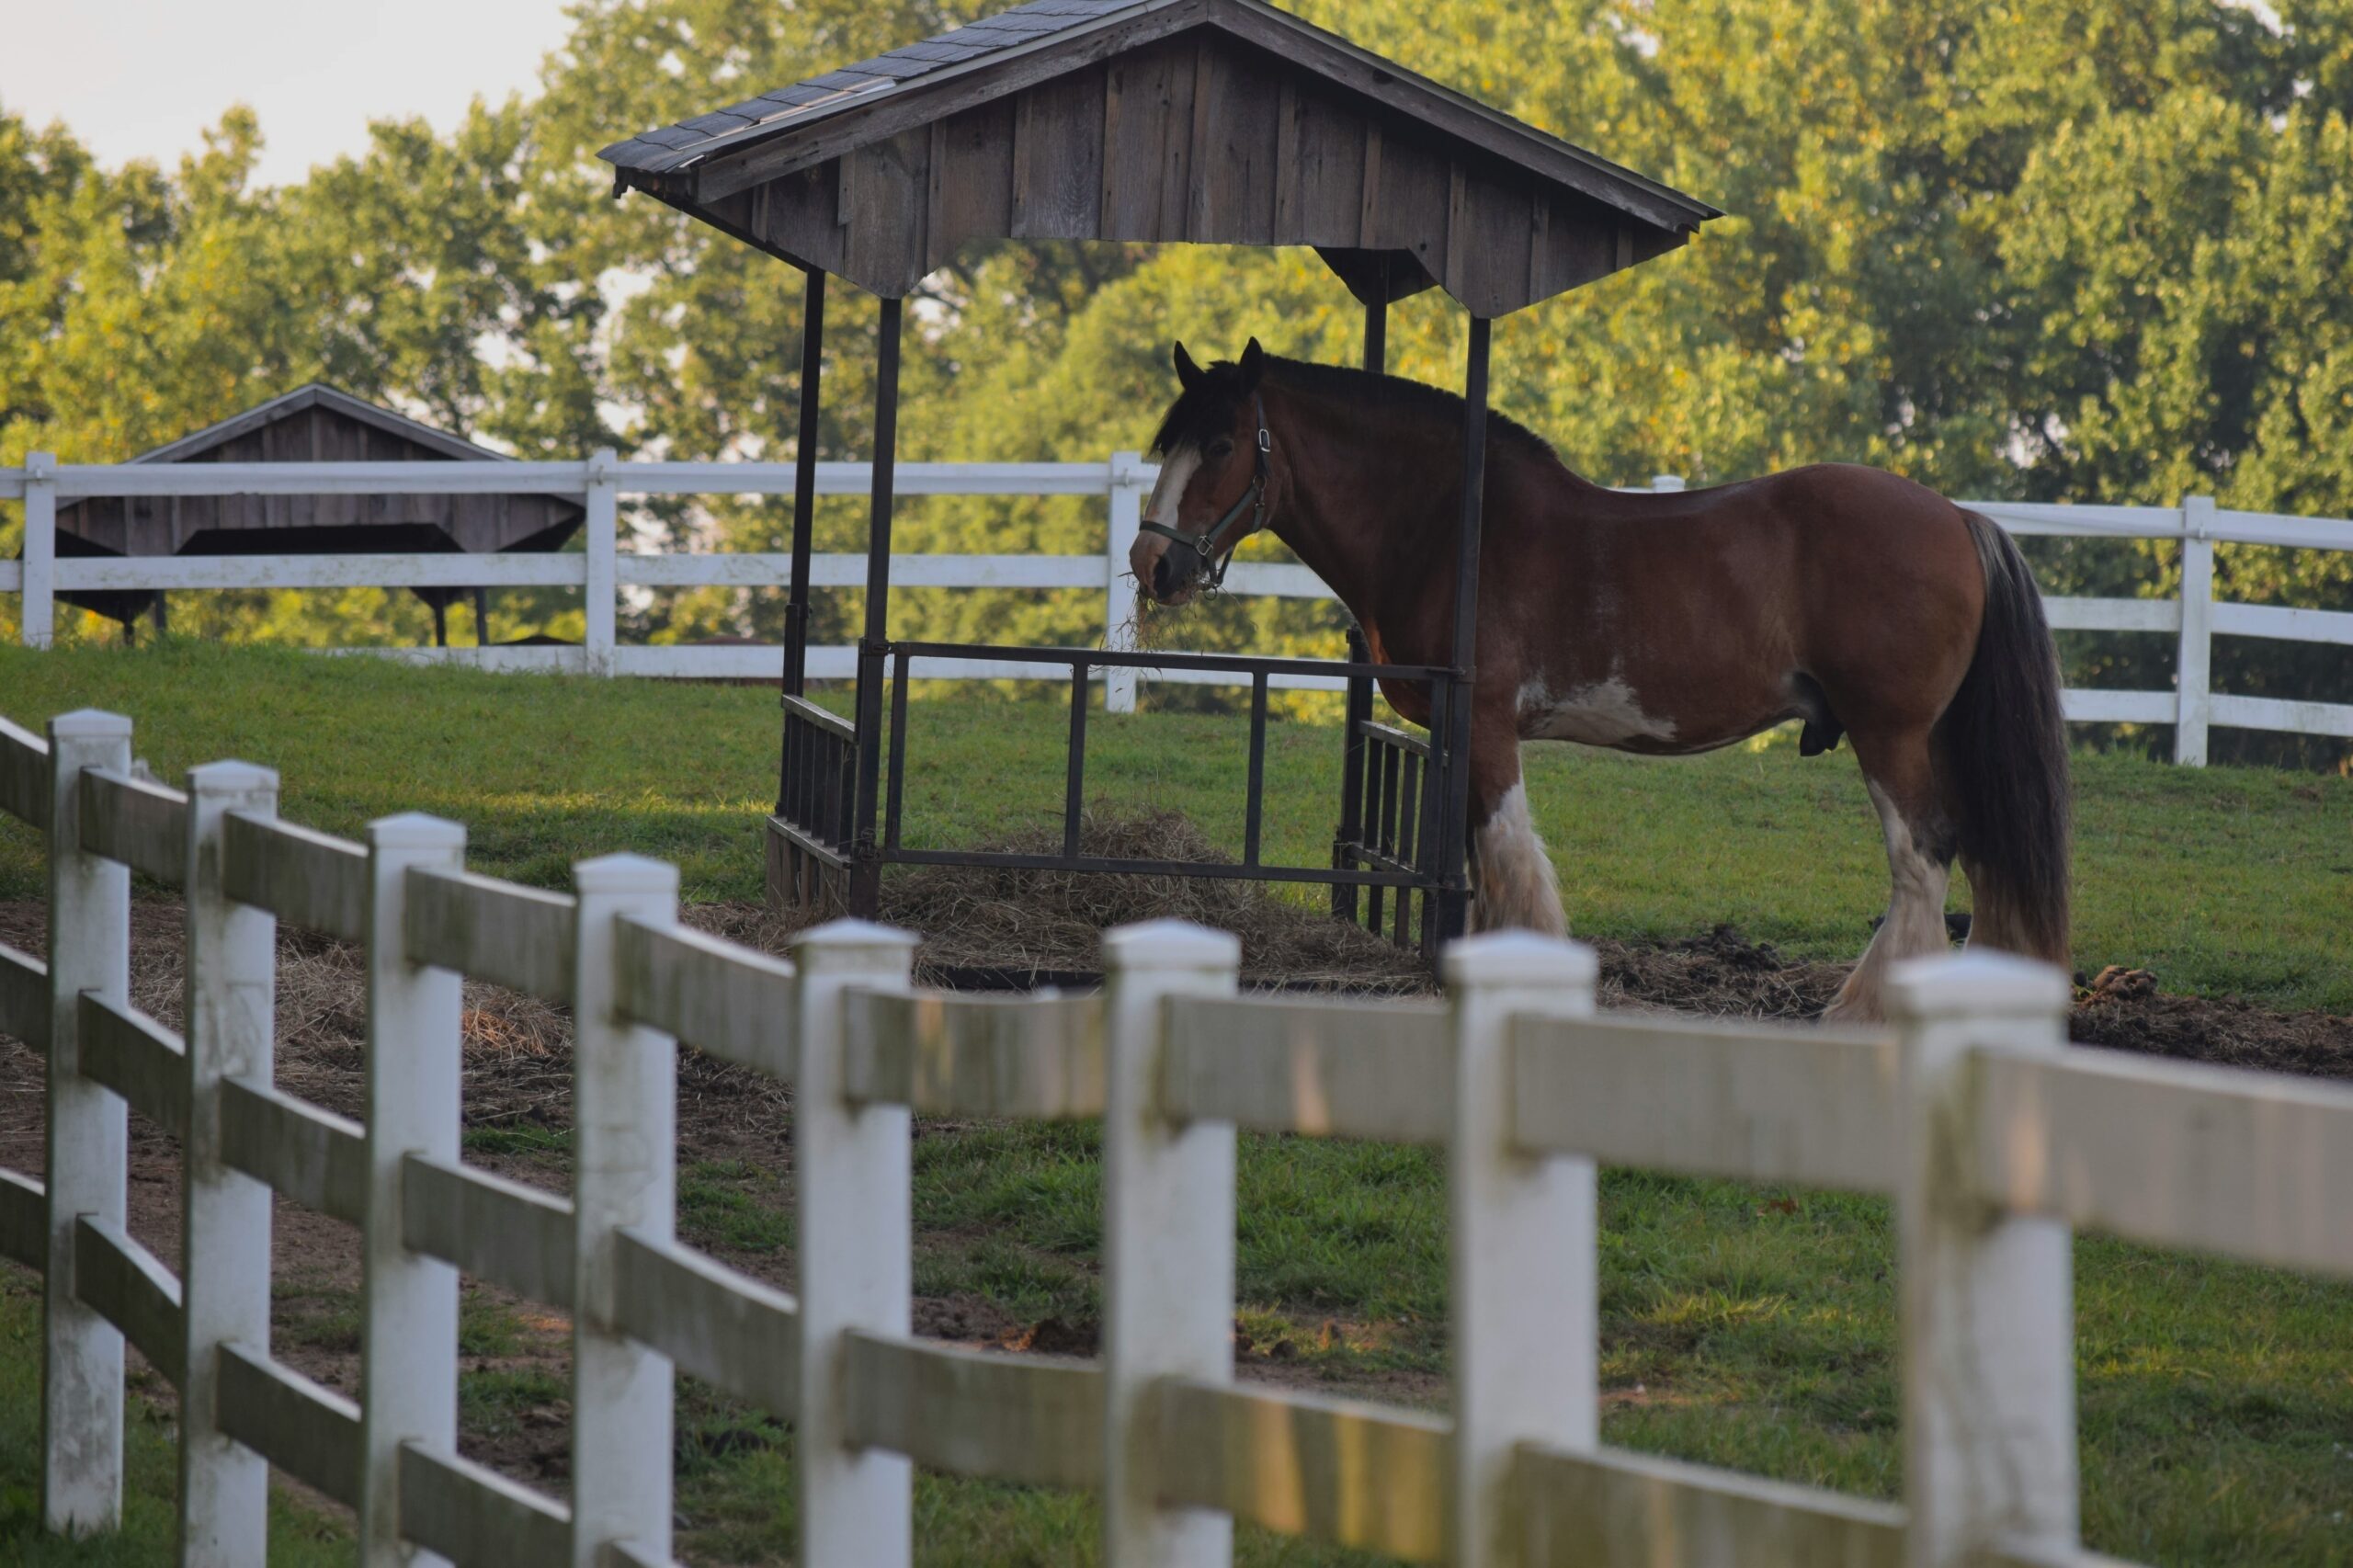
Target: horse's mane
[{"x": 1207, "y": 409}]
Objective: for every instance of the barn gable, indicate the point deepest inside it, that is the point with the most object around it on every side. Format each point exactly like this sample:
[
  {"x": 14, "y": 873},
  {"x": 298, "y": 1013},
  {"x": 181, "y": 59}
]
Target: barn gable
[
  {"x": 1212, "y": 121},
  {"x": 317, "y": 423}
]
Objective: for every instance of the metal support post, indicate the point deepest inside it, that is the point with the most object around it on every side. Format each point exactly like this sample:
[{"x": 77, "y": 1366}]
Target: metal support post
[
  {"x": 1358, "y": 705},
  {"x": 1454, "y": 899},
  {"x": 804, "y": 488},
  {"x": 866, "y": 869}
]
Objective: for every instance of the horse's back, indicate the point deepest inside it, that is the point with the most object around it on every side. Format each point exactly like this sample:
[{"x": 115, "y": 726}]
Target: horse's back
[{"x": 1718, "y": 606}]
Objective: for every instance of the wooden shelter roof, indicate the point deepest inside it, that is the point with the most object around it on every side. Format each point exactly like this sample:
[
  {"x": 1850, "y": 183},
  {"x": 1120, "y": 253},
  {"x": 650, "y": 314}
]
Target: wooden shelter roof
[
  {"x": 318, "y": 395},
  {"x": 1218, "y": 121},
  {"x": 311, "y": 424}
]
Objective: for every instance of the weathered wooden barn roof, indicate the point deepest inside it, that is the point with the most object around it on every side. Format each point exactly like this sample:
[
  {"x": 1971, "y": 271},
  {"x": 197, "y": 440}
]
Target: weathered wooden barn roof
[
  {"x": 318, "y": 424},
  {"x": 280, "y": 411},
  {"x": 1219, "y": 121},
  {"x": 311, "y": 424}
]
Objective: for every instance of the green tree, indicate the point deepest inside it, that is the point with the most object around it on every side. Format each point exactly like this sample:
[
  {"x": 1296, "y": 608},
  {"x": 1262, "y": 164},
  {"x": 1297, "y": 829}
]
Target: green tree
[{"x": 2082, "y": 250}]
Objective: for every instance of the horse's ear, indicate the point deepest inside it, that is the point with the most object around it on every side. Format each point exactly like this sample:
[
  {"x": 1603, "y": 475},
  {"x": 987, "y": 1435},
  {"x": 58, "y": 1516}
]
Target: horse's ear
[
  {"x": 1254, "y": 363},
  {"x": 1187, "y": 373}
]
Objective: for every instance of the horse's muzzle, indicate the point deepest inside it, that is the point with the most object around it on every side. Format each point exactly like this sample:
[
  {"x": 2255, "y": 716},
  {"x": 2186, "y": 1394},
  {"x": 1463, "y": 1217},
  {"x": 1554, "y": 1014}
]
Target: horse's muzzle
[{"x": 1176, "y": 573}]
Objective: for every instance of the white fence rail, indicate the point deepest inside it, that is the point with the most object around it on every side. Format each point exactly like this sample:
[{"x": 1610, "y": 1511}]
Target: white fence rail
[
  {"x": 603, "y": 572},
  {"x": 1990, "y": 1135}
]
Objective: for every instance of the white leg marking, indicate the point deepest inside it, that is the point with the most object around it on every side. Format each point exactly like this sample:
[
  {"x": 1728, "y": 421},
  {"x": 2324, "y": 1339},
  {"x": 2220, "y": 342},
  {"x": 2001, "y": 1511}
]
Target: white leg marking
[
  {"x": 1517, "y": 885},
  {"x": 1914, "y": 925}
]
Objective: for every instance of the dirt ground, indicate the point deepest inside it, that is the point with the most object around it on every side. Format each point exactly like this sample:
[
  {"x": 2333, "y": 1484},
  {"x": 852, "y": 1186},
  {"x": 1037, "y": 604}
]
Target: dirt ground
[{"x": 517, "y": 1079}]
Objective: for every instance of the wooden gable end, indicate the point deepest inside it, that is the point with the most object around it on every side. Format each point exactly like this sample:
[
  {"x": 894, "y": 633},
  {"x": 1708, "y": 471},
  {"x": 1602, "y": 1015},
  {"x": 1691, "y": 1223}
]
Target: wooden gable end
[
  {"x": 162, "y": 525},
  {"x": 1201, "y": 137}
]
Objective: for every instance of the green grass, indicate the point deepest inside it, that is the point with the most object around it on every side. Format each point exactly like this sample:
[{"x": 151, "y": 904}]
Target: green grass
[
  {"x": 1742, "y": 1326},
  {"x": 300, "y": 1534},
  {"x": 2224, "y": 880}
]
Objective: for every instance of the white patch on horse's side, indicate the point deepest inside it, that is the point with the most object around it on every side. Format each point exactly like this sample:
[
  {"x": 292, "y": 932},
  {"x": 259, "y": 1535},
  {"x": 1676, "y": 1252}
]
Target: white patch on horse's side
[
  {"x": 1914, "y": 926},
  {"x": 1517, "y": 885},
  {"x": 1604, "y": 713},
  {"x": 1168, "y": 490}
]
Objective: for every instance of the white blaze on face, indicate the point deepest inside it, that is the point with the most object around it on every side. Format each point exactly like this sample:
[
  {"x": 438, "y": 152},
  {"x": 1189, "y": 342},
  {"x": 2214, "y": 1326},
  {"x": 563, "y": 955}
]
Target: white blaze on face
[
  {"x": 1167, "y": 502},
  {"x": 1168, "y": 493}
]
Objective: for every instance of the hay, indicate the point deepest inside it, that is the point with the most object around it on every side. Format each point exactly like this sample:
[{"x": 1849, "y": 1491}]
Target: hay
[{"x": 1019, "y": 922}]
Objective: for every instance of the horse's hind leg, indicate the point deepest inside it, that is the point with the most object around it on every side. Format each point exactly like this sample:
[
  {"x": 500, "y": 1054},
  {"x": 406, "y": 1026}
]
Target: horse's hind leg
[
  {"x": 1900, "y": 772},
  {"x": 1512, "y": 874}
]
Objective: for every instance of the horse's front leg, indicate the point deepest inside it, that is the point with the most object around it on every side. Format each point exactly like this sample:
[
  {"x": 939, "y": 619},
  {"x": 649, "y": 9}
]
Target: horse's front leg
[{"x": 1512, "y": 879}]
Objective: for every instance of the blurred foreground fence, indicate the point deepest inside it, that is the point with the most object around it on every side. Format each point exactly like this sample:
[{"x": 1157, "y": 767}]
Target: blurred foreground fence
[
  {"x": 604, "y": 573},
  {"x": 1992, "y": 1137}
]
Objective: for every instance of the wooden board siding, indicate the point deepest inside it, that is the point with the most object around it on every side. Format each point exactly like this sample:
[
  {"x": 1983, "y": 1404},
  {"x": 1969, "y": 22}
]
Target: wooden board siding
[
  {"x": 315, "y": 432},
  {"x": 1411, "y": 201},
  {"x": 884, "y": 190},
  {"x": 1058, "y": 159},
  {"x": 972, "y": 179},
  {"x": 1236, "y": 98},
  {"x": 1218, "y": 121},
  {"x": 1148, "y": 143},
  {"x": 1490, "y": 237},
  {"x": 1199, "y": 137},
  {"x": 799, "y": 217},
  {"x": 1324, "y": 173}
]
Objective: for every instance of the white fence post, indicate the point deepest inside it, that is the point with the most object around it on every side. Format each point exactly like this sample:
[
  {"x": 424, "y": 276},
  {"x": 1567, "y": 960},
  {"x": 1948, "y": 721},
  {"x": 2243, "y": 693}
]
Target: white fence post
[
  {"x": 852, "y": 1175},
  {"x": 89, "y": 950},
  {"x": 1167, "y": 1240},
  {"x": 1986, "y": 1302},
  {"x": 2193, "y": 666},
  {"x": 1522, "y": 1290},
  {"x": 409, "y": 1315},
  {"x": 601, "y": 530},
  {"x": 38, "y": 623},
  {"x": 624, "y": 1114},
  {"x": 1128, "y": 487},
  {"x": 224, "y": 1217}
]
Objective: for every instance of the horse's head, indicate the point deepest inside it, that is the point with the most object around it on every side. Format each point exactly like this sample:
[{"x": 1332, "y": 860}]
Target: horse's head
[{"x": 1213, "y": 448}]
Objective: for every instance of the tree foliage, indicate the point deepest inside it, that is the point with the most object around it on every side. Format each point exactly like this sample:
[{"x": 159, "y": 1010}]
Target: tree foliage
[{"x": 2075, "y": 249}]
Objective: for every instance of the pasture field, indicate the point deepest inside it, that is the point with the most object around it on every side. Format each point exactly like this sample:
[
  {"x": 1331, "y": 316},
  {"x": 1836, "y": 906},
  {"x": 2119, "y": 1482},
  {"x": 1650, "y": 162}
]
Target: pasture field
[
  {"x": 1742, "y": 1326},
  {"x": 2223, "y": 880}
]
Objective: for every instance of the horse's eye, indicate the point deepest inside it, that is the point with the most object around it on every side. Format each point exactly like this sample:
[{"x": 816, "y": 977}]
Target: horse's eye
[{"x": 1221, "y": 448}]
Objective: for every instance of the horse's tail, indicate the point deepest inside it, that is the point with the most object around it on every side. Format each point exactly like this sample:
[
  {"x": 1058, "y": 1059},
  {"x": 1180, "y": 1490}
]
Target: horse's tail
[{"x": 2006, "y": 744}]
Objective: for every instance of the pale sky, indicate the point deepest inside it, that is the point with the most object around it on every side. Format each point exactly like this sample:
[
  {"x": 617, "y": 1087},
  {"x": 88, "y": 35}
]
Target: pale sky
[{"x": 143, "y": 78}]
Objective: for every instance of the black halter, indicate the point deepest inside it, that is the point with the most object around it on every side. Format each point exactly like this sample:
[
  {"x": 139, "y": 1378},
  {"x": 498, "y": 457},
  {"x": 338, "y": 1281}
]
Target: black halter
[{"x": 1215, "y": 550}]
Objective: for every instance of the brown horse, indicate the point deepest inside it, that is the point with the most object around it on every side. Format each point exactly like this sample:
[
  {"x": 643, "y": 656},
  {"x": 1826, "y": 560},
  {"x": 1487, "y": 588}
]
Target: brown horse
[{"x": 1668, "y": 624}]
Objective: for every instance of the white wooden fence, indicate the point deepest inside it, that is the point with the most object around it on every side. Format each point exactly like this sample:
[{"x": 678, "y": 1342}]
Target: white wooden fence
[
  {"x": 1992, "y": 1137},
  {"x": 603, "y": 571}
]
